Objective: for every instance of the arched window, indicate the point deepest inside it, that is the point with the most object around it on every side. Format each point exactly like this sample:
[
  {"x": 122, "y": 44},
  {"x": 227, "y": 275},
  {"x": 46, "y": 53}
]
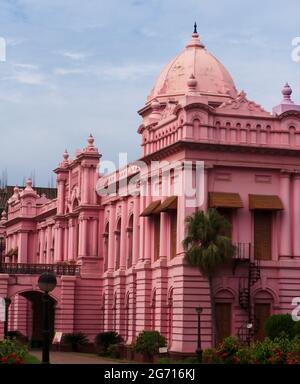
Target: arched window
[
  {"x": 105, "y": 246},
  {"x": 224, "y": 300},
  {"x": 118, "y": 245},
  {"x": 75, "y": 204},
  {"x": 263, "y": 308},
  {"x": 129, "y": 242}
]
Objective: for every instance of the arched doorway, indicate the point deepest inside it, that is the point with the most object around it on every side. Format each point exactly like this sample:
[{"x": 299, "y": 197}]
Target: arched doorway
[{"x": 36, "y": 317}]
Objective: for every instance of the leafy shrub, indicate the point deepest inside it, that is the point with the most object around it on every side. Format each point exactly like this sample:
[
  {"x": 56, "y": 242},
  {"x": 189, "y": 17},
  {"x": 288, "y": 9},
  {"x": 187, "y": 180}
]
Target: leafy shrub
[
  {"x": 281, "y": 350},
  {"x": 278, "y": 325},
  {"x": 149, "y": 342},
  {"x": 227, "y": 350},
  {"x": 113, "y": 351},
  {"x": 75, "y": 339},
  {"x": 12, "y": 352},
  {"x": 18, "y": 336},
  {"x": 210, "y": 356},
  {"x": 105, "y": 339},
  {"x": 297, "y": 328}
]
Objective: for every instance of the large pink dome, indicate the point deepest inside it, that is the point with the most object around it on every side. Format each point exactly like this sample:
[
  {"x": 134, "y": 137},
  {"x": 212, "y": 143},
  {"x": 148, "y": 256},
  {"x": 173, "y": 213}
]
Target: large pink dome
[{"x": 211, "y": 78}]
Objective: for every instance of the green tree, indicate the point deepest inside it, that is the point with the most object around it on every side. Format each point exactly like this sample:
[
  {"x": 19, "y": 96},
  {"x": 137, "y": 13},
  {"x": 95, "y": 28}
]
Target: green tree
[{"x": 207, "y": 248}]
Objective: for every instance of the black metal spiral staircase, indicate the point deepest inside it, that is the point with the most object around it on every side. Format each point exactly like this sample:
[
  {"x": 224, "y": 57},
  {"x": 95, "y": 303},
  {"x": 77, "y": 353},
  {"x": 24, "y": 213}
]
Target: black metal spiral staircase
[{"x": 251, "y": 274}]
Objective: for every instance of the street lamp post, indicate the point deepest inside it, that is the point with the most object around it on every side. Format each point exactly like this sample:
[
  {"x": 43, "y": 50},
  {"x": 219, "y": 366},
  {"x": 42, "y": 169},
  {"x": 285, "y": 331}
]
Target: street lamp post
[
  {"x": 46, "y": 283},
  {"x": 7, "y": 301},
  {"x": 199, "y": 350}
]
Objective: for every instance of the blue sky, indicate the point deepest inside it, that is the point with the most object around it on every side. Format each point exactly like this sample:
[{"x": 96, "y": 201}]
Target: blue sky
[{"x": 77, "y": 67}]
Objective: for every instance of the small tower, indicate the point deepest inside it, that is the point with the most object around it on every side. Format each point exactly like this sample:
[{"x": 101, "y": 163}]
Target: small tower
[{"x": 287, "y": 103}]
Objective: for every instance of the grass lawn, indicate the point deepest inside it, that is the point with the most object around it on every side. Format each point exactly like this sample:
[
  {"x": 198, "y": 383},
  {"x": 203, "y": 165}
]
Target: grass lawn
[{"x": 29, "y": 359}]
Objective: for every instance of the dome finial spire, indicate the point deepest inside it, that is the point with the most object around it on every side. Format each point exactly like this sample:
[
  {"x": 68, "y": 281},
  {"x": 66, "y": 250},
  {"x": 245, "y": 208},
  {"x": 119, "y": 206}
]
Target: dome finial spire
[{"x": 195, "y": 28}]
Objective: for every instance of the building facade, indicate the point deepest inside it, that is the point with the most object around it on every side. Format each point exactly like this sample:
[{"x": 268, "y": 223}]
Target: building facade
[{"x": 115, "y": 241}]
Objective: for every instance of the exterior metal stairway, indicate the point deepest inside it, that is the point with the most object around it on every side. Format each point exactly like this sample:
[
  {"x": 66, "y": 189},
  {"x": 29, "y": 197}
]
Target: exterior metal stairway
[{"x": 245, "y": 256}]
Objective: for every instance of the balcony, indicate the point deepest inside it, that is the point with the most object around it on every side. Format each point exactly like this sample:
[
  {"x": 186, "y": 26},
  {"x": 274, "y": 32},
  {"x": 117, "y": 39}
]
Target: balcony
[
  {"x": 37, "y": 269},
  {"x": 244, "y": 252}
]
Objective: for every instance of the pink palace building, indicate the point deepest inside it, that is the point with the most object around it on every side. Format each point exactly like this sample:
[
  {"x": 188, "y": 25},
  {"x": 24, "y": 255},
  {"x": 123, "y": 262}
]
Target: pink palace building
[{"x": 119, "y": 257}]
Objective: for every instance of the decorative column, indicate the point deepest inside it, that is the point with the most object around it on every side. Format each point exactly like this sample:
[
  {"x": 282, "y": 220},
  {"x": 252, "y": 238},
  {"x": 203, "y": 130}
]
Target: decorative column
[
  {"x": 60, "y": 194},
  {"x": 42, "y": 246},
  {"x": 58, "y": 256},
  {"x": 142, "y": 222},
  {"x": 23, "y": 247},
  {"x": 71, "y": 240},
  {"x": 49, "y": 245},
  {"x": 164, "y": 236},
  {"x": 204, "y": 189},
  {"x": 285, "y": 228},
  {"x": 111, "y": 238},
  {"x": 94, "y": 240},
  {"x": 296, "y": 215},
  {"x": 136, "y": 230},
  {"x": 186, "y": 204},
  {"x": 66, "y": 238},
  {"x": 85, "y": 186},
  {"x": 83, "y": 235},
  {"x": 123, "y": 253},
  {"x": 147, "y": 226}
]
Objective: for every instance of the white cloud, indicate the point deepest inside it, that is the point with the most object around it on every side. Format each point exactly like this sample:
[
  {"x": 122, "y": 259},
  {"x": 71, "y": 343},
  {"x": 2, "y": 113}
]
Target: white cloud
[
  {"x": 117, "y": 72},
  {"x": 29, "y": 78},
  {"x": 74, "y": 55},
  {"x": 25, "y": 66},
  {"x": 69, "y": 71},
  {"x": 128, "y": 71}
]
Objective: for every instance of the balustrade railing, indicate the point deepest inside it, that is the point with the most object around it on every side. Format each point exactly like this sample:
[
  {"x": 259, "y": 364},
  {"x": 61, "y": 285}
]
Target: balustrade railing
[{"x": 37, "y": 269}]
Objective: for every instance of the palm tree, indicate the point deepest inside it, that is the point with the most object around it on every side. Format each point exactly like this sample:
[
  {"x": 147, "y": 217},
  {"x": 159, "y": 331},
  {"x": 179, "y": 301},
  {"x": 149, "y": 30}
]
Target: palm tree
[{"x": 207, "y": 248}]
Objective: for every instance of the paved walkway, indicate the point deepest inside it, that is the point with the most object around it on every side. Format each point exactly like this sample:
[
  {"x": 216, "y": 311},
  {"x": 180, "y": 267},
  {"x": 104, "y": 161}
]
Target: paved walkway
[{"x": 75, "y": 358}]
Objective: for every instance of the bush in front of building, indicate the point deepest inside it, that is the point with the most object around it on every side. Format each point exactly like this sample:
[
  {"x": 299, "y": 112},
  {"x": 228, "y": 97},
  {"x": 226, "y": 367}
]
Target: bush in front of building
[
  {"x": 12, "y": 352},
  {"x": 278, "y": 325},
  {"x": 18, "y": 336},
  {"x": 149, "y": 342},
  {"x": 113, "y": 351},
  {"x": 227, "y": 351},
  {"x": 281, "y": 350},
  {"x": 104, "y": 340},
  {"x": 75, "y": 340}
]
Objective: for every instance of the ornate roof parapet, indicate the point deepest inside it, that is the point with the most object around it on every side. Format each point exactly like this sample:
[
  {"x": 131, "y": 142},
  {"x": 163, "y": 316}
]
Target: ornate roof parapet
[
  {"x": 15, "y": 197},
  {"x": 287, "y": 103},
  {"x": 3, "y": 219},
  {"x": 243, "y": 106},
  {"x": 90, "y": 147},
  {"x": 28, "y": 190},
  {"x": 155, "y": 114},
  {"x": 89, "y": 151},
  {"x": 66, "y": 161}
]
